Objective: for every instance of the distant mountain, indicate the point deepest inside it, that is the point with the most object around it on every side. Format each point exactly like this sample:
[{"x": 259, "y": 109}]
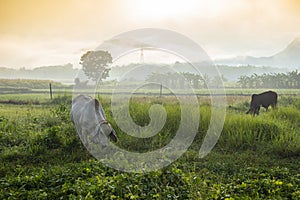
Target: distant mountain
[
  {"x": 287, "y": 58},
  {"x": 63, "y": 73}
]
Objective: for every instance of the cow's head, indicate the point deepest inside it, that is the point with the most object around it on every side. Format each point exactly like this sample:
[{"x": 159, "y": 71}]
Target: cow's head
[
  {"x": 253, "y": 110},
  {"x": 102, "y": 131},
  {"x": 254, "y": 105}
]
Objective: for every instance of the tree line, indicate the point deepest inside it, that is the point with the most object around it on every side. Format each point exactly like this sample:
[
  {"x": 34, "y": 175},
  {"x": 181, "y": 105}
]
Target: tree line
[
  {"x": 183, "y": 79},
  {"x": 274, "y": 80},
  {"x": 96, "y": 66}
]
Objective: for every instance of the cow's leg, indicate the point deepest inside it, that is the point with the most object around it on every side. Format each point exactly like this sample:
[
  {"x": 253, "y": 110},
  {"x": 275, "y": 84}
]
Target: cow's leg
[
  {"x": 254, "y": 111},
  {"x": 84, "y": 138},
  {"x": 273, "y": 106},
  {"x": 82, "y": 135},
  {"x": 251, "y": 110},
  {"x": 257, "y": 110}
]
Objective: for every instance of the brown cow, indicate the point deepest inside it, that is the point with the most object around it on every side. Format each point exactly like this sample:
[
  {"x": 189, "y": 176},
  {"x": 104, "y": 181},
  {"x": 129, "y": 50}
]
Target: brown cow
[{"x": 264, "y": 99}]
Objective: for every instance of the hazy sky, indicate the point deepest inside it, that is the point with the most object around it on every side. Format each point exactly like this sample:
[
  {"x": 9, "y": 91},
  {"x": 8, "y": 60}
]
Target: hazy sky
[{"x": 49, "y": 32}]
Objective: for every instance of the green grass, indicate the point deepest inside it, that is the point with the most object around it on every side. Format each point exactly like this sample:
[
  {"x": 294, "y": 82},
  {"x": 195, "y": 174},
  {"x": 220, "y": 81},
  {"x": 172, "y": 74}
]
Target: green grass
[
  {"x": 40, "y": 98},
  {"x": 255, "y": 157},
  {"x": 11, "y": 84}
]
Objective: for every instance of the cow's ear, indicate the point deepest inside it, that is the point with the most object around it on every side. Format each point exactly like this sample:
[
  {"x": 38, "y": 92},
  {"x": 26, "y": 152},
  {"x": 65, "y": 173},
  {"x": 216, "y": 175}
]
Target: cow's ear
[{"x": 97, "y": 104}]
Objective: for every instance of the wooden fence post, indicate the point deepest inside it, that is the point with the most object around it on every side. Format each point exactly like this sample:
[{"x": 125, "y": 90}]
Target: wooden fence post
[
  {"x": 160, "y": 91},
  {"x": 50, "y": 90}
]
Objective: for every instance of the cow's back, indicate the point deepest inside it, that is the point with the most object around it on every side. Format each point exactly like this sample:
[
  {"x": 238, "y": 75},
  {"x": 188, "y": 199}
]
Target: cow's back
[
  {"x": 78, "y": 106},
  {"x": 265, "y": 99},
  {"x": 269, "y": 98}
]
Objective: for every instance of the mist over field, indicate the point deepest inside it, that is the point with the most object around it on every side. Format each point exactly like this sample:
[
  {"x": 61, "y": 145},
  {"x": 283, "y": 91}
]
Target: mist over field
[{"x": 231, "y": 69}]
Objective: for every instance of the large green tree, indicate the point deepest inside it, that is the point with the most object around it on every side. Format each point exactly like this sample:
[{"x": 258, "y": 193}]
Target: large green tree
[{"x": 95, "y": 64}]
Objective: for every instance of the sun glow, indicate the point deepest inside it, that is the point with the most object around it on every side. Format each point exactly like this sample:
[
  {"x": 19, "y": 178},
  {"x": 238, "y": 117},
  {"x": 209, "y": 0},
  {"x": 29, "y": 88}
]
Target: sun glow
[
  {"x": 157, "y": 9},
  {"x": 164, "y": 9}
]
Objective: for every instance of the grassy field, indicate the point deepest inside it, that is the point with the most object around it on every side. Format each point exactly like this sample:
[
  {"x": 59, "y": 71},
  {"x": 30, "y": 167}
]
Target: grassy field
[{"x": 255, "y": 157}]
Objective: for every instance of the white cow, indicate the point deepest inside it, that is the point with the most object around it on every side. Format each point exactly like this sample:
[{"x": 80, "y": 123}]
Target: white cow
[{"x": 88, "y": 116}]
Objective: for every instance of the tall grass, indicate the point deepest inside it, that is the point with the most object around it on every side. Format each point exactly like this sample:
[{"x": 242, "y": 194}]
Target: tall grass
[
  {"x": 274, "y": 132},
  {"x": 244, "y": 132}
]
